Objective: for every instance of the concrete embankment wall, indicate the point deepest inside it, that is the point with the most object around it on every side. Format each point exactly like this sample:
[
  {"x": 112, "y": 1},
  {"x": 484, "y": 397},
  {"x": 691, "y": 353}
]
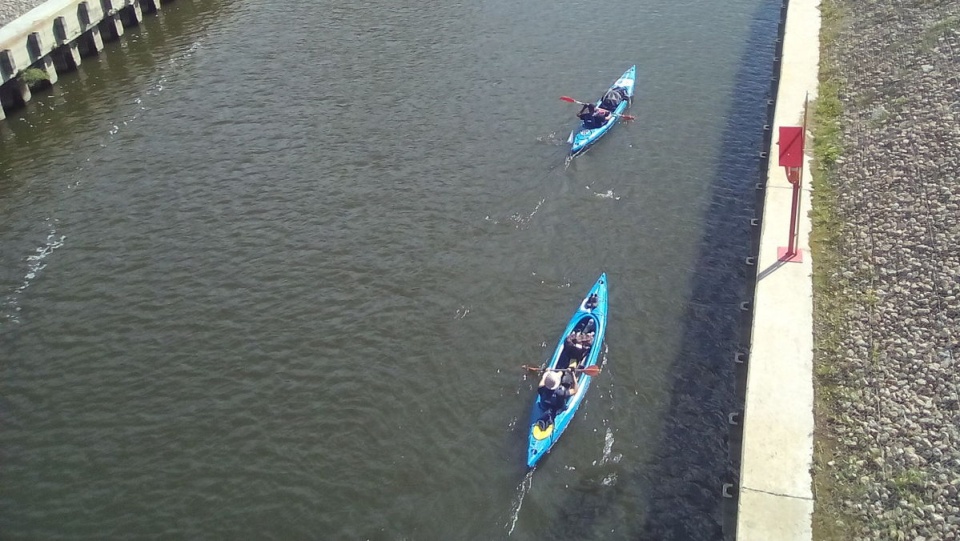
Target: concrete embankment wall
[
  {"x": 56, "y": 36},
  {"x": 774, "y": 493}
]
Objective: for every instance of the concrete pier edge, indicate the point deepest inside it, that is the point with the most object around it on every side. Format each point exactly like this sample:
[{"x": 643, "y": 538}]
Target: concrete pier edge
[
  {"x": 775, "y": 499},
  {"x": 56, "y": 35}
]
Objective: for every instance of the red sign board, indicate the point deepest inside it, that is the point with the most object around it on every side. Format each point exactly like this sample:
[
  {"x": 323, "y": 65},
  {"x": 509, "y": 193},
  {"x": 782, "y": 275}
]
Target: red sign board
[{"x": 791, "y": 146}]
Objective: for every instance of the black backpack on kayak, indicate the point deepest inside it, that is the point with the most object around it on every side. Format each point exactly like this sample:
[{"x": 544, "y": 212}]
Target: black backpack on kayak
[{"x": 613, "y": 98}]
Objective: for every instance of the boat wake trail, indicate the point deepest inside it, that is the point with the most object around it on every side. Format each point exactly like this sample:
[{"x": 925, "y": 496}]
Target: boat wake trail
[
  {"x": 156, "y": 88},
  {"x": 608, "y": 449},
  {"x": 608, "y": 457},
  {"x": 520, "y": 219},
  {"x": 522, "y": 490},
  {"x": 554, "y": 139},
  {"x": 605, "y": 195},
  {"x": 35, "y": 264},
  {"x": 564, "y": 285}
]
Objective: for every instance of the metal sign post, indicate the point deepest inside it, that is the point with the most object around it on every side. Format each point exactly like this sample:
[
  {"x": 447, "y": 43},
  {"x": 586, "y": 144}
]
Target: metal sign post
[{"x": 791, "y": 159}]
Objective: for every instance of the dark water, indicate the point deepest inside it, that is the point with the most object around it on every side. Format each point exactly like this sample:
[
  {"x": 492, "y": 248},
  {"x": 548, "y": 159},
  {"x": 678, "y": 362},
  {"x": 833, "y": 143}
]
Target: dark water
[{"x": 269, "y": 272}]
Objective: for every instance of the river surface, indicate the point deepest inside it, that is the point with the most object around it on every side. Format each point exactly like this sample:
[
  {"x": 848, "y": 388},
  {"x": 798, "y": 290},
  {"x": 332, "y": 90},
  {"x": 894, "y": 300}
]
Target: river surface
[{"x": 270, "y": 270}]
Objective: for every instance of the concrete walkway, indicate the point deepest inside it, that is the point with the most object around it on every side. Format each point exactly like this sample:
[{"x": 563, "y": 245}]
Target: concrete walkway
[{"x": 776, "y": 499}]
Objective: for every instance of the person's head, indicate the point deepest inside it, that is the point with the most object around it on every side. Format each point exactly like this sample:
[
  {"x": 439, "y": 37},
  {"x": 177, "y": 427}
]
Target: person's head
[{"x": 551, "y": 380}]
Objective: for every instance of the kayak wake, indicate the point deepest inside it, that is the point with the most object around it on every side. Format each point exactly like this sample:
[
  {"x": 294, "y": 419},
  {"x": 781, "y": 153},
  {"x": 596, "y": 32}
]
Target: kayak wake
[{"x": 522, "y": 490}]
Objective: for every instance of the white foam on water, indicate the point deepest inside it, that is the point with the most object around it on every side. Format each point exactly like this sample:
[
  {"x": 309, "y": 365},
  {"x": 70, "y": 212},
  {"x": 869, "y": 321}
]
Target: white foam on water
[
  {"x": 554, "y": 139},
  {"x": 519, "y": 219},
  {"x": 35, "y": 264},
  {"x": 522, "y": 220},
  {"x": 607, "y": 446},
  {"x": 522, "y": 490},
  {"x": 157, "y": 87},
  {"x": 566, "y": 285},
  {"x": 605, "y": 195}
]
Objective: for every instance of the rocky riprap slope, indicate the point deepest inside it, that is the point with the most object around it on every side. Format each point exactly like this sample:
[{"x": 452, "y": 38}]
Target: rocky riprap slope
[
  {"x": 11, "y": 9},
  {"x": 898, "y": 187}
]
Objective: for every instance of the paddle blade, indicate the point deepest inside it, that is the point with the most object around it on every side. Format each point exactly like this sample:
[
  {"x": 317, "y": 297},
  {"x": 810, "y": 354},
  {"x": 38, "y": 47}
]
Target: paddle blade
[
  {"x": 568, "y": 99},
  {"x": 590, "y": 370},
  {"x": 628, "y": 117},
  {"x": 530, "y": 368}
]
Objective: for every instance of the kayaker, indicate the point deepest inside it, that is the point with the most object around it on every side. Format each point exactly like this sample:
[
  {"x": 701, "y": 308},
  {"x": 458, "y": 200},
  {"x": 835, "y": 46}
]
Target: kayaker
[
  {"x": 587, "y": 340},
  {"x": 593, "y": 117},
  {"x": 553, "y": 395},
  {"x": 574, "y": 345}
]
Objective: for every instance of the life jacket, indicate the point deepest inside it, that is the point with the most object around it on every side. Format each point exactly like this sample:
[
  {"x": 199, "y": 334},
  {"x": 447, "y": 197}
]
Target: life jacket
[
  {"x": 593, "y": 121},
  {"x": 553, "y": 400}
]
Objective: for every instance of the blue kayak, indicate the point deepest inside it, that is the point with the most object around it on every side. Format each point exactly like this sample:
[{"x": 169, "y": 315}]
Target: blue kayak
[
  {"x": 583, "y": 137},
  {"x": 547, "y": 426}
]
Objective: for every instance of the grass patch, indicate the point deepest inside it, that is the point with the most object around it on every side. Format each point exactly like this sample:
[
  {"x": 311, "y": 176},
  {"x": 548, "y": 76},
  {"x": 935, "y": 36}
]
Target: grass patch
[
  {"x": 832, "y": 482},
  {"x": 931, "y": 36},
  {"x": 909, "y": 482},
  {"x": 34, "y": 78}
]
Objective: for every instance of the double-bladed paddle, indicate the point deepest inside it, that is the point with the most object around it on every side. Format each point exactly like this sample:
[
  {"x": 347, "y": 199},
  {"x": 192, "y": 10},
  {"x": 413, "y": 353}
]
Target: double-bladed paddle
[
  {"x": 589, "y": 370},
  {"x": 568, "y": 99}
]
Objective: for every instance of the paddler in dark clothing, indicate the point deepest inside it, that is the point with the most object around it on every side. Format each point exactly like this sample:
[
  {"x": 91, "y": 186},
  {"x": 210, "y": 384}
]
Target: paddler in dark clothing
[
  {"x": 593, "y": 117},
  {"x": 553, "y": 394}
]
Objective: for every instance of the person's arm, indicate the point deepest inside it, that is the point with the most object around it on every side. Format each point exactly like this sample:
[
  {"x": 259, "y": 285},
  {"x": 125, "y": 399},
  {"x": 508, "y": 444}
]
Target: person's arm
[{"x": 573, "y": 385}]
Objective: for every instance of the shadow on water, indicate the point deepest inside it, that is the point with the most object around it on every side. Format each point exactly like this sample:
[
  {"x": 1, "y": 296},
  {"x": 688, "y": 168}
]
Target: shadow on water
[{"x": 697, "y": 452}]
